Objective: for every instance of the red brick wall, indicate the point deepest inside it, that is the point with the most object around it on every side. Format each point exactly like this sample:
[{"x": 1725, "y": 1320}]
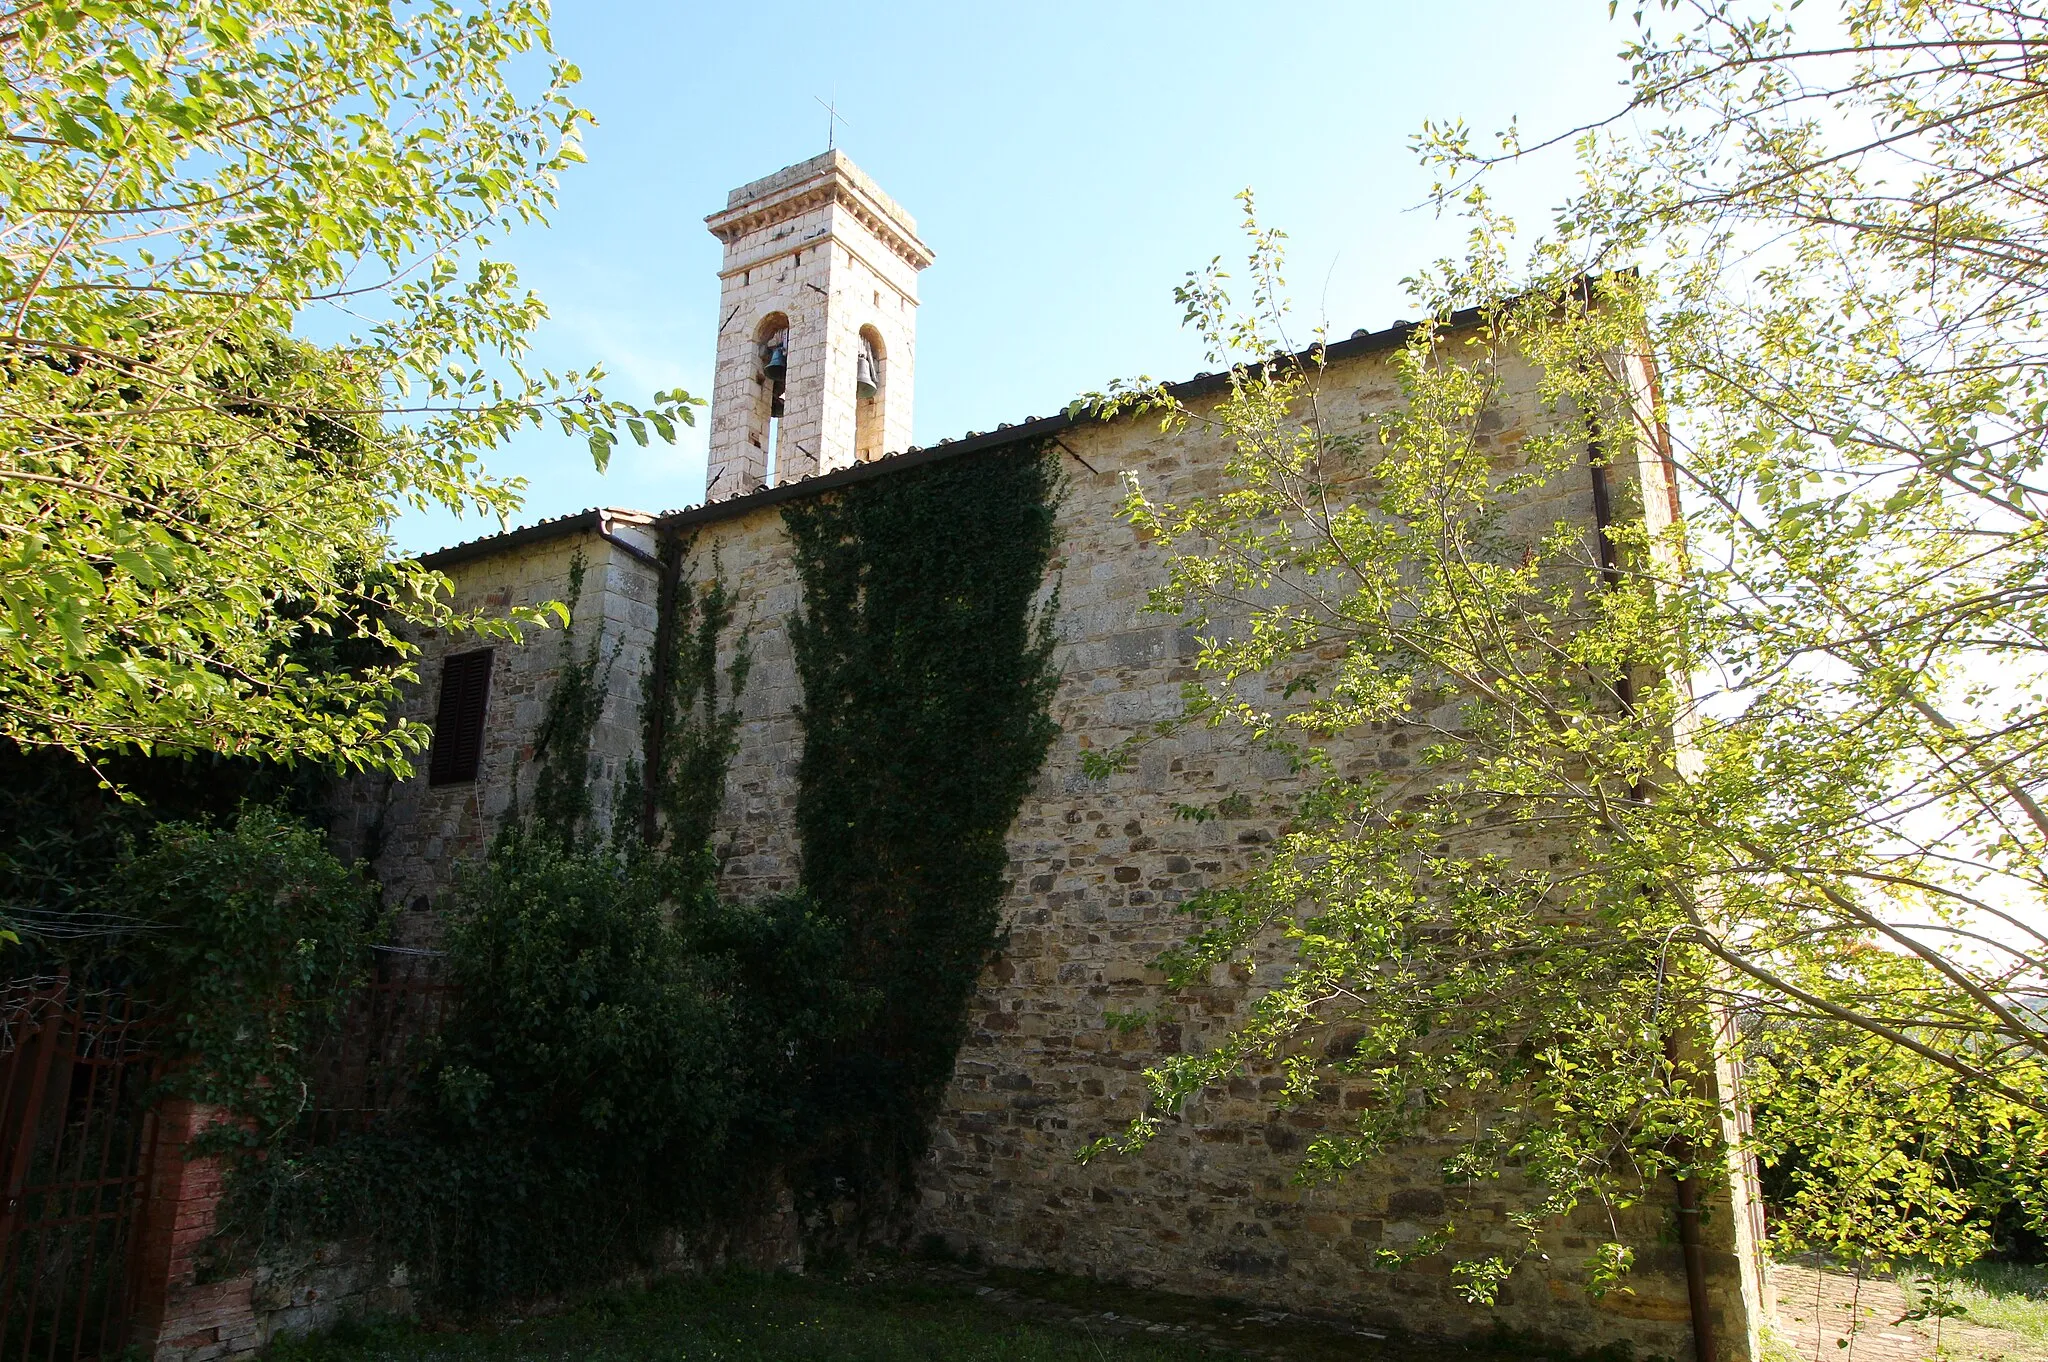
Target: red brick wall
[{"x": 178, "y": 1318}]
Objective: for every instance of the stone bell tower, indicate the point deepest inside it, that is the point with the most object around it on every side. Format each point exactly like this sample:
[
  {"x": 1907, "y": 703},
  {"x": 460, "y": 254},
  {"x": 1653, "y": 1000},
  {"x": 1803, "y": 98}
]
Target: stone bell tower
[{"x": 818, "y": 330}]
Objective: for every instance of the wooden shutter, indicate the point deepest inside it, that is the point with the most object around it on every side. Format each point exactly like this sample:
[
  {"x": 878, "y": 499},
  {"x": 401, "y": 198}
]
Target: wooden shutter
[{"x": 459, "y": 723}]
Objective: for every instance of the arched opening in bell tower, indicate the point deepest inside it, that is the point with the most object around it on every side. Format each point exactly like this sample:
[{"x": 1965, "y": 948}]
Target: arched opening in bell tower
[
  {"x": 818, "y": 259},
  {"x": 771, "y": 382},
  {"x": 869, "y": 393}
]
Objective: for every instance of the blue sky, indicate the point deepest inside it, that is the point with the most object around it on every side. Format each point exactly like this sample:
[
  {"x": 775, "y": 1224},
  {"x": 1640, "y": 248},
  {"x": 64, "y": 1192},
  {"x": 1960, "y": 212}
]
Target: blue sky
[{"x": 1068, "y": 162}]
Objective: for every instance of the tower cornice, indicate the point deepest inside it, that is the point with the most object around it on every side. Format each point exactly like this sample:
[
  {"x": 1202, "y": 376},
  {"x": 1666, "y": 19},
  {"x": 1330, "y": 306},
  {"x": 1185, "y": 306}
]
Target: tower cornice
[
  {"x": 823, "y": 181},
  {"x": 817, "y": 352}
]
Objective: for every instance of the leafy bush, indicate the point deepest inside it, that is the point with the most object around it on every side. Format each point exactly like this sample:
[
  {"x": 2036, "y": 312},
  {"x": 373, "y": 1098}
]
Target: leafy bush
[
  {"x": 1871, "y": 1152},
  {"x": 584, "y": 1086},
  {"x": 252, "y": 935},
  {"x": 634, "y": 1059},
  {"x": 610, "y": 1075},
  {"x": 624, "y": 1065},
  {"x": 67, "y": 829}
]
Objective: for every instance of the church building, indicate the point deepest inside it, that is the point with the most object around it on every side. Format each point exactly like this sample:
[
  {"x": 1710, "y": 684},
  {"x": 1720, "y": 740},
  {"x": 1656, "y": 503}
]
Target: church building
[{"x": 816, "y": 364}]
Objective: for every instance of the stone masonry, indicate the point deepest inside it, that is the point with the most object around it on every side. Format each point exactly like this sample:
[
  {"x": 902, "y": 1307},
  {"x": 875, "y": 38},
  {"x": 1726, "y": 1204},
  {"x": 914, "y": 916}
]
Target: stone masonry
[
  {"x": 820, "y": 250},
  {"x": 1098, "y": 870},
  {"x": 416, "y": 832}
]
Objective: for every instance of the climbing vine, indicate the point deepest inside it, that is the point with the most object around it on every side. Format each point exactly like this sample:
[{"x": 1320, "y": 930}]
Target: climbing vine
[
  {"x": 614, "y": 1070},
  {"x": 250, "y": 936},
  {"x": 925, "y": 652},
  {"x": 690, "y": 731},
  {"x": 632, "y": 1056},
  {"x": 562, "y": 794}
]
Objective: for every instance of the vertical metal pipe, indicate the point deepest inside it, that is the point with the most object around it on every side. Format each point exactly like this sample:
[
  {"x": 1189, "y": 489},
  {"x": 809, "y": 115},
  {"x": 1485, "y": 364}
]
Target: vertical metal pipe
[
  {"x": 25, "y": 1068},
  {"x": 1704, "y": 1344},
  {"x": 37, "y": 1028},
  {"x": 654, "y": 737},
  {"x": 84, "y": 1211},
  {"x": 138, "y": 1205}
]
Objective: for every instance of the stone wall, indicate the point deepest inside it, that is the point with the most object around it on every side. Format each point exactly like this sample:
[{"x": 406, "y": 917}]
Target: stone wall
[
  {"x": 185, "y": 1309},
  {"x": 1099, "y": 867},
  {"x": 414, "y": 833}
]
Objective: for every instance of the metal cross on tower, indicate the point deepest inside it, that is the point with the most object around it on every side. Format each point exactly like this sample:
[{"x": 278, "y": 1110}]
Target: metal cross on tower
[{"x": 832, "y": 121}]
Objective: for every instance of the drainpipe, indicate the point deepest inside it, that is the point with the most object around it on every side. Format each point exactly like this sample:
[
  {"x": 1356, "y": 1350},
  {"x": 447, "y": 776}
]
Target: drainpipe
[
  {"x": 1704, "y": 1345},
  {"x": 604, "y": 532},
  {"x": 667, "y": 565},
  {"x": 654, "y": 734}
]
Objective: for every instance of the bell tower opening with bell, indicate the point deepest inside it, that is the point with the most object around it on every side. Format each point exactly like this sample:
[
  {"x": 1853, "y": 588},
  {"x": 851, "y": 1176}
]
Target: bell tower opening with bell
[{"x": 818, "y": 333}]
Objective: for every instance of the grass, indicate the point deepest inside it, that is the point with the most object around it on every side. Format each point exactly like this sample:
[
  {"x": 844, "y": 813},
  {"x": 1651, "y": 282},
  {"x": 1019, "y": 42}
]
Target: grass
[
  {"x": 743, "y": 1318},
  {"x": 2008, "y": 1296},
  {"x": 968, "y": 1313},
  {"x": 1780, "y": 1346}
]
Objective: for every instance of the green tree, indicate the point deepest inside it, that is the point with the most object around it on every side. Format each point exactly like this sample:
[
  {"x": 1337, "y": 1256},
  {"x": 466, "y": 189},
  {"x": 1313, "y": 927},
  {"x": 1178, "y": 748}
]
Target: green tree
[
  {"x": 193, "y": 496},
  {"x": 1778, "y": 767}
]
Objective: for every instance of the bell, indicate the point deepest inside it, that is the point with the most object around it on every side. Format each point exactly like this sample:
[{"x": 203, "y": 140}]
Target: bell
[
  {"x": 866, "y": 380},
  {"x": 775, "y": 362}
]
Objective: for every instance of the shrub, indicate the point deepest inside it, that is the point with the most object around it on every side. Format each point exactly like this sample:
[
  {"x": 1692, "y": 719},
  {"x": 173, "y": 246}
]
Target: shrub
[{"x": 251, "y": 935}]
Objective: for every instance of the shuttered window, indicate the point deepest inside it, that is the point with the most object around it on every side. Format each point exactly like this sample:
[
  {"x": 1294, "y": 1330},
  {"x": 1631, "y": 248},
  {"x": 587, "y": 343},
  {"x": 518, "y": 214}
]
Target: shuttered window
[{"x": 459, "y": 723}]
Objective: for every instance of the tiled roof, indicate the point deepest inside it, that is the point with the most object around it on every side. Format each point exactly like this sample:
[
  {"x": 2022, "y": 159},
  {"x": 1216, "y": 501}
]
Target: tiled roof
[{"x": 593, "y": 521}]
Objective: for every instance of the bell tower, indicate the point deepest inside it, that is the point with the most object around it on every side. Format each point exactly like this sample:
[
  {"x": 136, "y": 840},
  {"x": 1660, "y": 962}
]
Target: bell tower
[{"x": 817, "y": 342}]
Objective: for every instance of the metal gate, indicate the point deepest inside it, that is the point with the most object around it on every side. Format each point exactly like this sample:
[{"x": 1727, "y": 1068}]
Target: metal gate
[
  {"x": 75, "y": 1069},
  {"x": 364, "y": 1072}
]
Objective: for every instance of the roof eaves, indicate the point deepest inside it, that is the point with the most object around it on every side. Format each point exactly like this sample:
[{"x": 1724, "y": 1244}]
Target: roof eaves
[
  {"x": 594, "y": 521},
  {"x": 1357, "y": 345}
]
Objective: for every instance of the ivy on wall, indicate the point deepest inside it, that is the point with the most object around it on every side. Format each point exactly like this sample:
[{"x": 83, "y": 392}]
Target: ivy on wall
[
  {"x": 634, "y": 1057},
  {"x": 614, "y": 1069},
  {"x": 562, "y": 782},
  {"x": 925, "y": 654},
  {"x": 690, "y": 726}
]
